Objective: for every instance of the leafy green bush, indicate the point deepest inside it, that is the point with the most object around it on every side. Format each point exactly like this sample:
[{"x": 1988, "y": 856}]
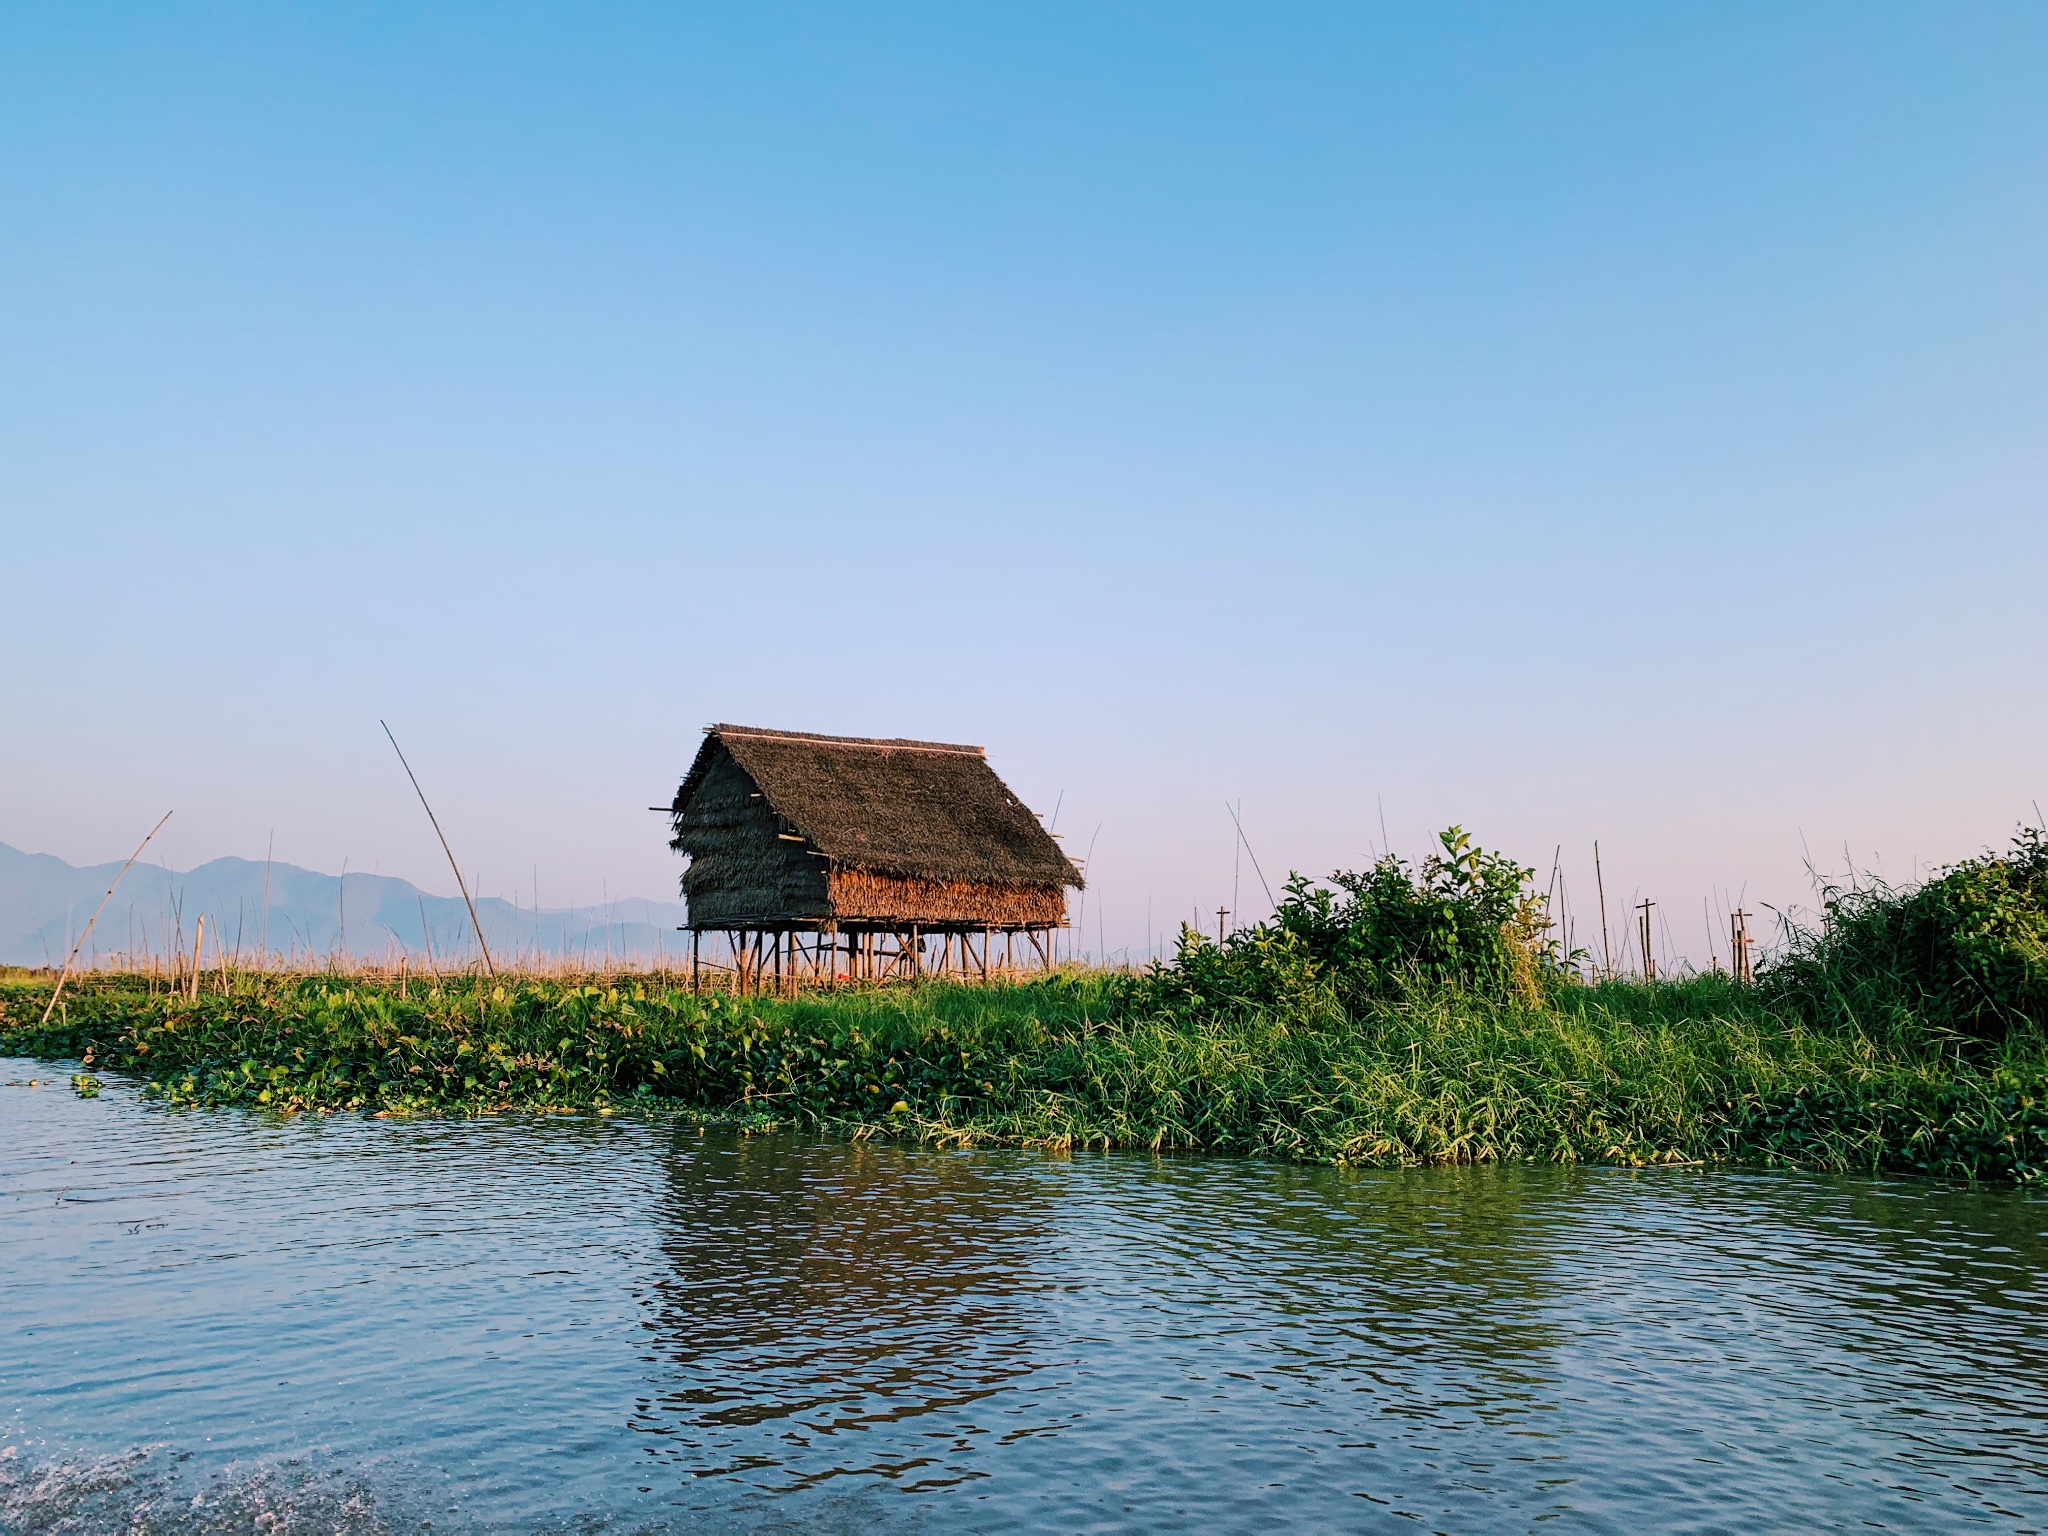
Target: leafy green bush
[
  {"x": 1966, "y": 951},
  {"x": 1466, "y": 919}
]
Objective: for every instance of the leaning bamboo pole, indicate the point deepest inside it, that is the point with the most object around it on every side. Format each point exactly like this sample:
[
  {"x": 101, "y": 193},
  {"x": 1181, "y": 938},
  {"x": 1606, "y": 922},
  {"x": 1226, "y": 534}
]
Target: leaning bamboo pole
[
  {"x": 58, "y": 990},
  {"x": 461, "y": 884}
]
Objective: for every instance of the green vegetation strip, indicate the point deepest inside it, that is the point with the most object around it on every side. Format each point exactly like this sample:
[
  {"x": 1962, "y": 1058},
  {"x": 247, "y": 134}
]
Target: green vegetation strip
[{"x": 1690, "y": 1071}]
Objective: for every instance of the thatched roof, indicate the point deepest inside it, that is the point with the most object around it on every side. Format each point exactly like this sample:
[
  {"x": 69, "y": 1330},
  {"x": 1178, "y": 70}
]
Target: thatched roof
[{"x": 923, "y": 810}]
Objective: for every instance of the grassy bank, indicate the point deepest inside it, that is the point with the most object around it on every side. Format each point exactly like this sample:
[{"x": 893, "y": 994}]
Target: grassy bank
[{"x": 1696, "y": 1070}]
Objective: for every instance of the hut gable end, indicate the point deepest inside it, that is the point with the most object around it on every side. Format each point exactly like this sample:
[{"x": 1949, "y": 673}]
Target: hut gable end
[
  {"x": 742, "y": 869},
  {"x": 861, "y": 829}
]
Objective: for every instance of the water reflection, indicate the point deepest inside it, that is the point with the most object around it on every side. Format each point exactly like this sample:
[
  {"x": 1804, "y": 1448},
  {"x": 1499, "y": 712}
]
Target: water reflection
[{"x": 819, "y": 1289}]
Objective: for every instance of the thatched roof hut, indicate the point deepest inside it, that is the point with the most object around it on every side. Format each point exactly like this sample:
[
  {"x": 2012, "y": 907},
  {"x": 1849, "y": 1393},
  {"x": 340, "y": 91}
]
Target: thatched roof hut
[{"x": 787, "y": 830}]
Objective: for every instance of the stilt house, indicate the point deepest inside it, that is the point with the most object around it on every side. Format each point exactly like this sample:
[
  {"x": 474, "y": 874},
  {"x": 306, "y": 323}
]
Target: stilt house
[{"x": 879, "y": 843}]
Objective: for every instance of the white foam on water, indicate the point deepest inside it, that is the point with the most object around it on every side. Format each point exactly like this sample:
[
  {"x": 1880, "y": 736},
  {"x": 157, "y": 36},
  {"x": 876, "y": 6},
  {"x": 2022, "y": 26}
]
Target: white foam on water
[{"x": 157, "y": 1491}]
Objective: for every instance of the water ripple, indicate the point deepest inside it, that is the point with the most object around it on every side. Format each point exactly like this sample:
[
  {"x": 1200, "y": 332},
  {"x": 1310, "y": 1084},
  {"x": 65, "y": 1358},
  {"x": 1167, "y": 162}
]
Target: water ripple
[{"x": 547, "y": 1325}]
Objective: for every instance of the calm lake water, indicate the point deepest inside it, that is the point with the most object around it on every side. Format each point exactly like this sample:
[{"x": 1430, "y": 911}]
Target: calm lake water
[{"x": 216, "y": 1323}]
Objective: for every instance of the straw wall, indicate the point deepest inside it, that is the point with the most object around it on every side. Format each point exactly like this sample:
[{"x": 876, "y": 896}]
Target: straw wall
[
  {"x": 860, "y": 895},
  {"x": 741, "y": 870}
]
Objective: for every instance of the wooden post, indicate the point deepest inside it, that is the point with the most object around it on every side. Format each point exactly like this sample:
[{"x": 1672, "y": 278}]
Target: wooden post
[
  {"x": 1738, "y": 946},
  {"x": 1644, "y": 935},
  {"x": 696, "y": 983}
]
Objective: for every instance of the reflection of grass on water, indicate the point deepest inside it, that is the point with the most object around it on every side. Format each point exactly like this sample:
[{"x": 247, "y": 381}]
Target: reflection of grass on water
[{"x": 1698, "y": 1069}]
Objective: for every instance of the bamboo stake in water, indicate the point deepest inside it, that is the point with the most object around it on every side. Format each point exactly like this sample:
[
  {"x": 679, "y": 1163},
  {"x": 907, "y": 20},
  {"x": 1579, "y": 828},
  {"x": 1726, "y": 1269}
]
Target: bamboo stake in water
[
  {"x": 1245, "y": 842},
  {"x": 96, "y": 911},
  {"x": 460, "y": 883},
  {"x": 264, "y": 942},
  {"x": 1606, "y": 959},
  {"x": 428, "y": 938}
]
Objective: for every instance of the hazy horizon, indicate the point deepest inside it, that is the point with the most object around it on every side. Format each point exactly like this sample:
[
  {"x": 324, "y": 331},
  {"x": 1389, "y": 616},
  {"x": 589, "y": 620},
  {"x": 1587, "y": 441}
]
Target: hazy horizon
[
  {"x": 254, "y": 908},
  {"x": 1573, "y": 424}
]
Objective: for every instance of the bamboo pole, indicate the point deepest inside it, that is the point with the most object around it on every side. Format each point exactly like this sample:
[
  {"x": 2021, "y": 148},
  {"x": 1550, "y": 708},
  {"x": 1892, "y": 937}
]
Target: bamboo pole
[
  {"x": 1606, "y": 957},
  {"x": 461, "y": 884},
  {"x": 58, "y": 990}
]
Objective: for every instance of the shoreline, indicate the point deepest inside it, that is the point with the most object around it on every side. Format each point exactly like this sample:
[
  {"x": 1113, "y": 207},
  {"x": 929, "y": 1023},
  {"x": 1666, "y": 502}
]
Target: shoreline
[{"x": 1696, "y": 1072}]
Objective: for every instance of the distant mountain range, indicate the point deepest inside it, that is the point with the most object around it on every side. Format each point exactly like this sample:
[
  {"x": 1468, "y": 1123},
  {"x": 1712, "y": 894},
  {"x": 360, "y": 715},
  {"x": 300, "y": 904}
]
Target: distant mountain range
[{"x": 304, "y": 915}]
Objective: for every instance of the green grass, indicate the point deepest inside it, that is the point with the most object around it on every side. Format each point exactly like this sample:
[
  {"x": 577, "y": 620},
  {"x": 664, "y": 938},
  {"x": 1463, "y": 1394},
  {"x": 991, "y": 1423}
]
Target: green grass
[{"x": 1695, "y": 1070}]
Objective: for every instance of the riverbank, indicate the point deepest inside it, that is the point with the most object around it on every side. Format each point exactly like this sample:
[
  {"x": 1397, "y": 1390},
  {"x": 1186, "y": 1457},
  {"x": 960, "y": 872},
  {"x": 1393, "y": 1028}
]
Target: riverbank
[{"x": 1680, "y": 1072}]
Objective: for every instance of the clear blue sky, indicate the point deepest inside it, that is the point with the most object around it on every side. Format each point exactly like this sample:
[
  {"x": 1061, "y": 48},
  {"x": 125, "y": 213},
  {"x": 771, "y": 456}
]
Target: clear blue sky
[{"x": 1571, "y": 421}]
